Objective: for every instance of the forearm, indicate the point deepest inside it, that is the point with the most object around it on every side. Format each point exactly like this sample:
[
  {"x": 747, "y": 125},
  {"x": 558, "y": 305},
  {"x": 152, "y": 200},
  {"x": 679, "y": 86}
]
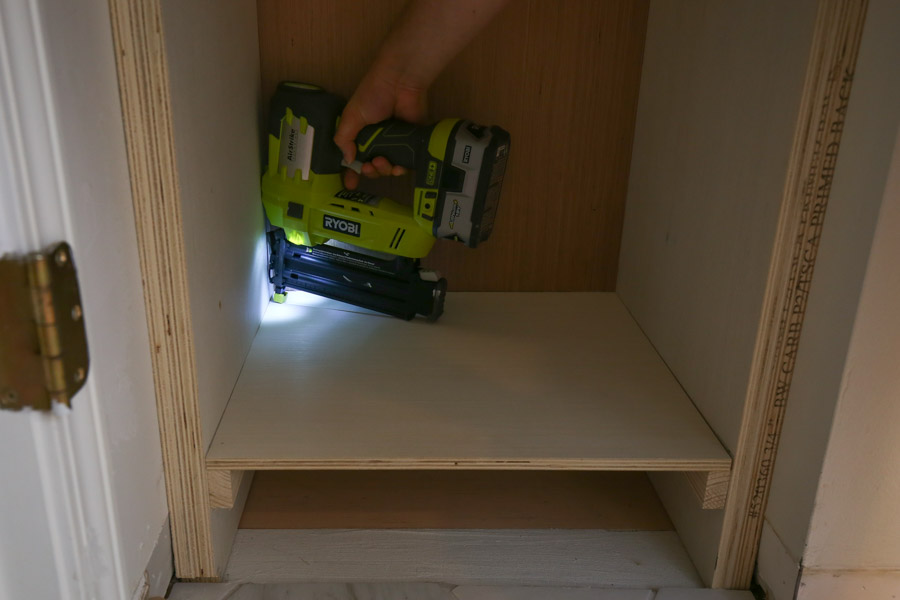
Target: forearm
[{"x": 427, "y": 37}]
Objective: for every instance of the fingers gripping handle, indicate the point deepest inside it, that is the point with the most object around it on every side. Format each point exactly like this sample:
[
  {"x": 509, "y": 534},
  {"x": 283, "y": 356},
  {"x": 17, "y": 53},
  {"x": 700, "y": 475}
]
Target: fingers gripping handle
[{"x": 397, "y": 141}]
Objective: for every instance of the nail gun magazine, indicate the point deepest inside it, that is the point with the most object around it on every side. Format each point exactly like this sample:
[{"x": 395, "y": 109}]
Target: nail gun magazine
[{"x": 357, "y": 247}]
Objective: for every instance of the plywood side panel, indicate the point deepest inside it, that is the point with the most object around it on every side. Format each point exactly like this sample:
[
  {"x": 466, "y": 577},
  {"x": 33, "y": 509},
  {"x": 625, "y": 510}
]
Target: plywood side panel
[
  {"x": 146, "y": 106},
  {"x": 189, "y": 77},
  {"x": 216, "y": 110},
  {"x": 719, "y": 97},
  {"x": 562, "y": 77},
  {"x": 213, "y": 69},
  {"x": 699, "y": 530},
  {"x": 724, "y": 211},
  {"x": 719, "y": 93}
]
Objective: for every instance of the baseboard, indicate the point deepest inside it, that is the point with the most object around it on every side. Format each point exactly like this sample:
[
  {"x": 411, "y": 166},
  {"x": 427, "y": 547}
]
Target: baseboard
[
  {"x": 776, "y": 569},
  {"x": 161, "y": 566},
  {"x": 839, "y": 584}
]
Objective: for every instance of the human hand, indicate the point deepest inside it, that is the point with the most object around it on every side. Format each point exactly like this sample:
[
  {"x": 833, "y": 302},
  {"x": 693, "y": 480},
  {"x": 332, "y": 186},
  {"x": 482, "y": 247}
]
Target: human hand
[{"x": 378, "y": 97}]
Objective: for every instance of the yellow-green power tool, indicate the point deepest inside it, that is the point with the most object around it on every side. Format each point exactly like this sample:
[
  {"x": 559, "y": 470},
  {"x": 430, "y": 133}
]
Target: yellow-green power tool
[{"x": 357, "y": 247}]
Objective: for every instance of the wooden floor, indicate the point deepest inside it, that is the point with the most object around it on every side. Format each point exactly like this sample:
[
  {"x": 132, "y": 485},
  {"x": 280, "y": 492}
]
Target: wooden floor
[
  {"x": 453, "y": 500},
  {"x": 502, "y": 381}
]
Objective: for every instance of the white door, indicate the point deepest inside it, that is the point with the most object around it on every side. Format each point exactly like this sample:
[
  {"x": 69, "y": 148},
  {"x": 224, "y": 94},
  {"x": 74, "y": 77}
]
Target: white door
[{"x": 82, "y": 496}]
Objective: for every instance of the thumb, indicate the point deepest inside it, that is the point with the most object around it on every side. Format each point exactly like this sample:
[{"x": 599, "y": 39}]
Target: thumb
[{"x": 345, "y": 136}]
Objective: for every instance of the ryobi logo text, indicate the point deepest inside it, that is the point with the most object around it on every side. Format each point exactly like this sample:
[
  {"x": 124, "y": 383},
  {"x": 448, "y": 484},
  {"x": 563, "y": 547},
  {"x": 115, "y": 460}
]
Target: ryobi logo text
[{"x": 341, "y": 225}]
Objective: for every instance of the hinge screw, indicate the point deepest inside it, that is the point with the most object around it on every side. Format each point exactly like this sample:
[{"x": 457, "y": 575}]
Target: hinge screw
[
  {"x": 8, "y": 398},
  {"x": 76, "y": 313},
  {"x": 61, "y": 257}
]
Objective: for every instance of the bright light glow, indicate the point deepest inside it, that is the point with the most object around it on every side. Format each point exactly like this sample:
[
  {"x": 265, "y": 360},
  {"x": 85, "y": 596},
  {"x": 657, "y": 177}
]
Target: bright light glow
[
  {"x": 261, "y": 274},
  {"x": 296, "y": 298},
  {"x": 286, "y": 313},
  {"x": 270, "y": 311}
]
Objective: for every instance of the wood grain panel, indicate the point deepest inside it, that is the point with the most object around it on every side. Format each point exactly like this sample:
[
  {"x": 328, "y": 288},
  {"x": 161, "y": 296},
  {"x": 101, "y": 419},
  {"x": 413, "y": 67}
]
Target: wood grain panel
[
  {"x": 562, "y": 77},
  {"x": 224, "y": 487},
  {"x": 453, "y": 500},
  {"x": 710, "y": 487}
]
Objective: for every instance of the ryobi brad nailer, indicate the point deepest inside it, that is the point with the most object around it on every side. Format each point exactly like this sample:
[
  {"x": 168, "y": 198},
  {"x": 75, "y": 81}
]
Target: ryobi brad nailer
[{"x": 357, "y": 247}]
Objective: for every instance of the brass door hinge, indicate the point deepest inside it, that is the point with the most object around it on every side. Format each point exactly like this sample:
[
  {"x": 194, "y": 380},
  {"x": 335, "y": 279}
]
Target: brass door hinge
[{"x": 43, "y": 347}]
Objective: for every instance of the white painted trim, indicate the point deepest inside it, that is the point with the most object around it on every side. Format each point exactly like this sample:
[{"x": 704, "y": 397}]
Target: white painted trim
[
  {"x": 71, "y": 476},
  {"x": 848, "y": 584},
  {"x": 854, "y": 524},
  {"x": 161, "y": 566}
]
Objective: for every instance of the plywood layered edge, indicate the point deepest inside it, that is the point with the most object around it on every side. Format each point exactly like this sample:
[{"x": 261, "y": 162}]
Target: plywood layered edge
[
  {"x": 826, "y": 93},
  {"x": 146, "y": 106},
  {"x": 710, "y": 487},
  {"x": 225, "y": 486},
  {"x": 718, "y": 469},
  {"x": 201, "y": 319}
]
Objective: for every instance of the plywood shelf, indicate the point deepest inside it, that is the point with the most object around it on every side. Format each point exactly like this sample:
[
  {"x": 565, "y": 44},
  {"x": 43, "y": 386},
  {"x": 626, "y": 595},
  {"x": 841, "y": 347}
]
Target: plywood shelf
[{"x": 502, "y": 381}]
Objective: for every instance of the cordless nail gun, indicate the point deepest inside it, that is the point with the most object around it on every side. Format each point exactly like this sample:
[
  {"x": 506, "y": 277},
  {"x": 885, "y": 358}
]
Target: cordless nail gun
[{"x": 357, "y": 247}]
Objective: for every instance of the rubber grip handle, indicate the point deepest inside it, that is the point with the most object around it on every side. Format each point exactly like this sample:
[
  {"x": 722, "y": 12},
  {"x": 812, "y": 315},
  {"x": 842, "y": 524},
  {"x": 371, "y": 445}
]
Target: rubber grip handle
[{"x": 399, "y": 142}]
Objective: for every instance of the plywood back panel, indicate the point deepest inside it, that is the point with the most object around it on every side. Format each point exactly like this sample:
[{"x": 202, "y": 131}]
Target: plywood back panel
[
  {"x": 562, "y": 77},
  {"x": 453, "y": 500}
]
